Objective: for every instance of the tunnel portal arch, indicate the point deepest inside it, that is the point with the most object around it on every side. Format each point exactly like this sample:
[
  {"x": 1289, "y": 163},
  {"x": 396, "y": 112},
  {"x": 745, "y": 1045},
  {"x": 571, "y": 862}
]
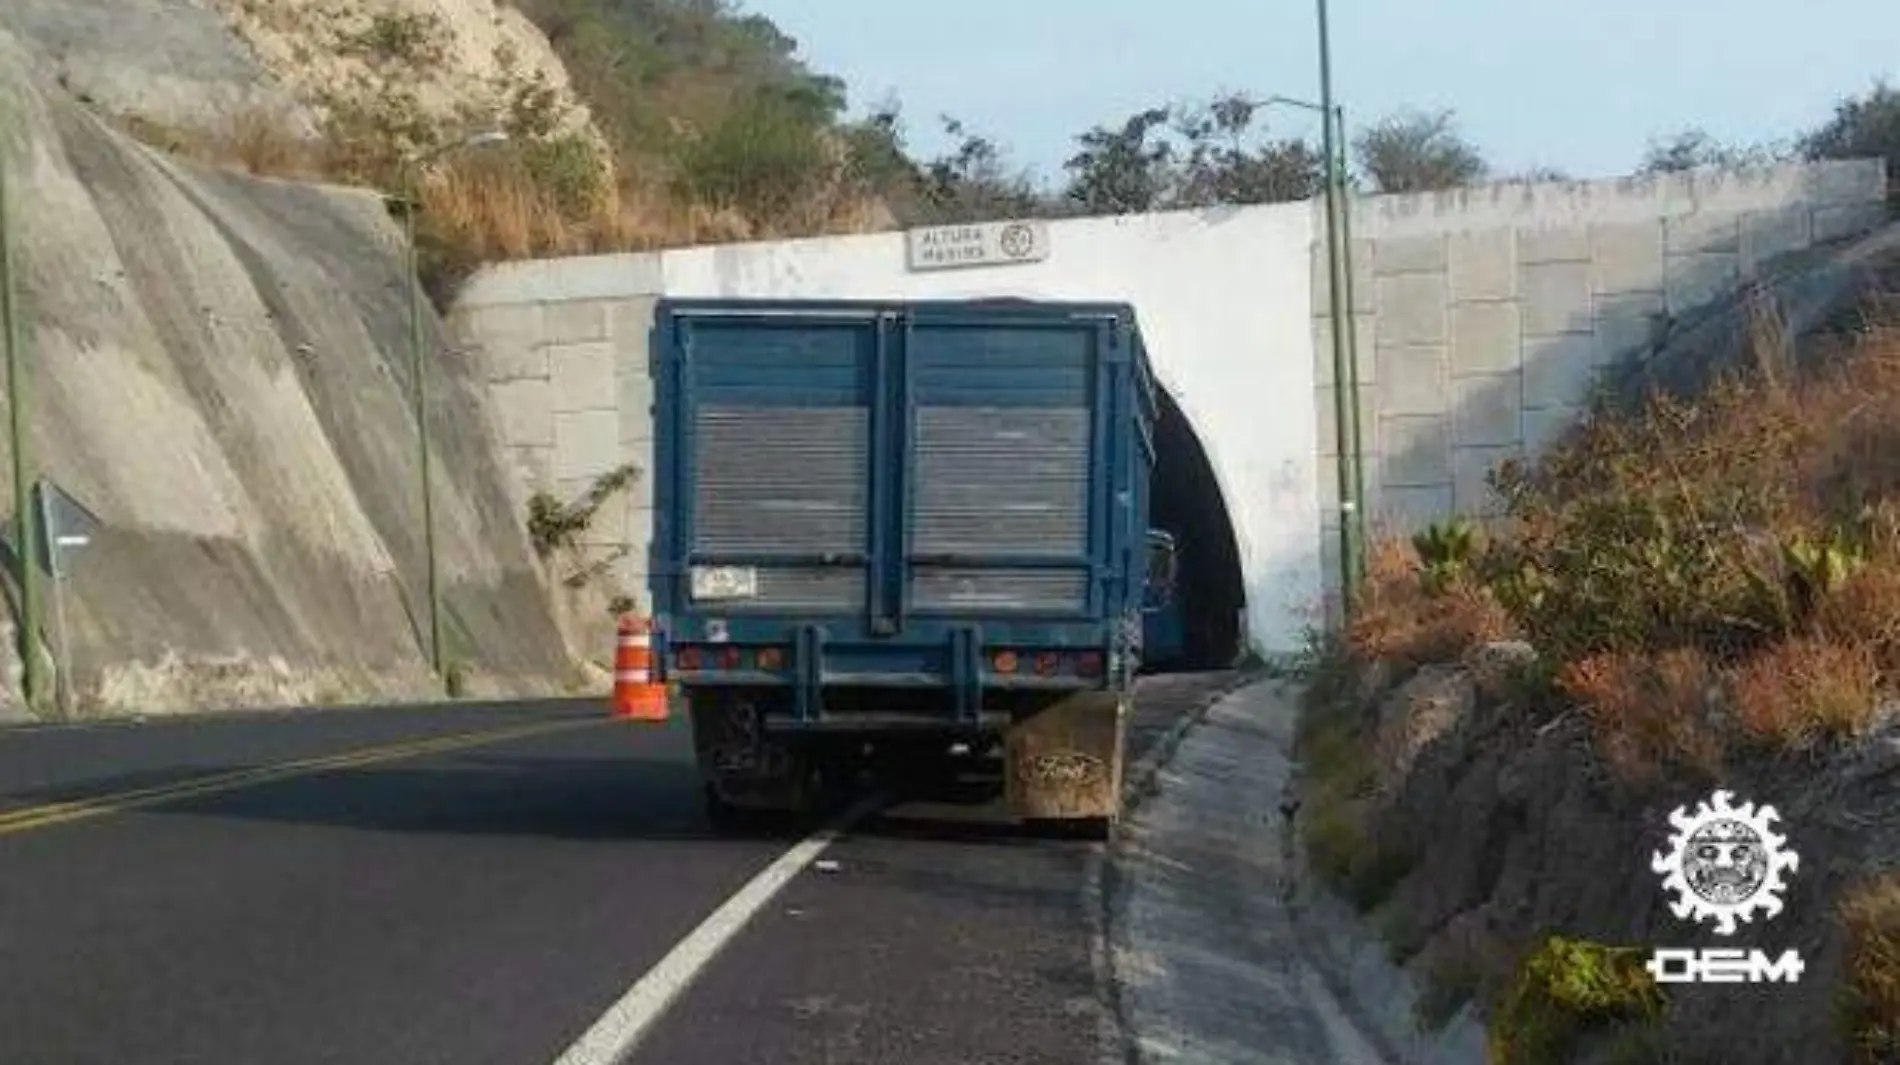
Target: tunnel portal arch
[{"x": 1186, "y": 501}]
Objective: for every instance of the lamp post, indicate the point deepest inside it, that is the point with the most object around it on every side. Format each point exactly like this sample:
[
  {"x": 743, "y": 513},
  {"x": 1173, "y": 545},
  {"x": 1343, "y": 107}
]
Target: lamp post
[
  {"x": 412, "y": 204},
  {"x": 25, "y": 529},
  {"x": 1350, "y": 337},
  {"x": 1348, "y": 437},
  {"x": 1346, "y": 405}
]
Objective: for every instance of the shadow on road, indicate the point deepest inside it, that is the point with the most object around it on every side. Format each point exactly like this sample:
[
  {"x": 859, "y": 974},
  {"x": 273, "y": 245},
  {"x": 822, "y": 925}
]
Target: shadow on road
[
  {"x": 496, "y": 793},
  {"x": 634, "y": 784}
]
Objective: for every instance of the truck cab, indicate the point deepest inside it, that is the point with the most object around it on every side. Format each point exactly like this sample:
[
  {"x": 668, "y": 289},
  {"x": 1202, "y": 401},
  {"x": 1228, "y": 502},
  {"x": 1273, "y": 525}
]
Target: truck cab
[{"x": 1163, "y": 622}]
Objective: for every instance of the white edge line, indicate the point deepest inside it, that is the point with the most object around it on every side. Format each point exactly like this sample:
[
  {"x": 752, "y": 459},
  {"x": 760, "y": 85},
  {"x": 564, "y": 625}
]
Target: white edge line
[{"x": 614, "y": 1036}]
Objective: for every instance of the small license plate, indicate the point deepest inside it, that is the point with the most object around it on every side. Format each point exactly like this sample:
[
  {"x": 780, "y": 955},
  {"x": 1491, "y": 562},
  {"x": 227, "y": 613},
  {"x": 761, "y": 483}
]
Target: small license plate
[{"x": 725, "y": 582}]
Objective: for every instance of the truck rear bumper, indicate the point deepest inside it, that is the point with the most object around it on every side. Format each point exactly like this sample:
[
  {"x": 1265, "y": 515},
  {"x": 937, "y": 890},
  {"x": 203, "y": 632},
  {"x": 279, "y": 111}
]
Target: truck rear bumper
[
  {"x": 873, "y": 722},
  {"x": 905, "y": 681}
]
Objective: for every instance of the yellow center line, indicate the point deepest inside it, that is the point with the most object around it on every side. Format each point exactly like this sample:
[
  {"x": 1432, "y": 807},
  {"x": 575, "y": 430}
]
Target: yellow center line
[{"x": 46, "y": 816}]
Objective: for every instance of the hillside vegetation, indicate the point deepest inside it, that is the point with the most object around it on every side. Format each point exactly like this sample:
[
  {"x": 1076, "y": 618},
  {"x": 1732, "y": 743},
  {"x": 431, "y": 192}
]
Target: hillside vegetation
[{"x": 1693, "y": 590}]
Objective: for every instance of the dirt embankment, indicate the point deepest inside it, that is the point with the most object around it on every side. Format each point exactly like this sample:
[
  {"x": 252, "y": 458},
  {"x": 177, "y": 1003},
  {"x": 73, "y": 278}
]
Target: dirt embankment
[
  {"x": 1488, "y": 829},
  {"x": 1691, "y": 594},
  {"x": 218, "y": 367}
]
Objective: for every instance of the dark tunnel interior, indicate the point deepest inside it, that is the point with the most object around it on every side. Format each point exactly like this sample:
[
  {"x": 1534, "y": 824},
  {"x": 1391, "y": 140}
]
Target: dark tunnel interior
[{"x": 1187, "y": 502}]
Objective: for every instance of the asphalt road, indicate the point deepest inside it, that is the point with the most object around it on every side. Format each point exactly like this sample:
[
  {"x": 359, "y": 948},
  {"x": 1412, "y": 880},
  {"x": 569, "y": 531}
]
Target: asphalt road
[{"x": 478, "y": 884}]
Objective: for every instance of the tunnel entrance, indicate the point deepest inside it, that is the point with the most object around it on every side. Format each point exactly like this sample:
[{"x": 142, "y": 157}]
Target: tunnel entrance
[{"x": 1186, "y": 502}]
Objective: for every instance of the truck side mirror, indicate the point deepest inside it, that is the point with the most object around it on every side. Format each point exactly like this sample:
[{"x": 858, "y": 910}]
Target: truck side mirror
[{"x": 1163, "y": 562}]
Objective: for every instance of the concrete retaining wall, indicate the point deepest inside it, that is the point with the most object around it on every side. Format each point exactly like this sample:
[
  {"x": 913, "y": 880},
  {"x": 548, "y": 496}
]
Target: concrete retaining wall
[
  {"x": 570, "y": 400},
  {"x": 1209, "y": 287},
  {"x": 1481, "y": 316}
]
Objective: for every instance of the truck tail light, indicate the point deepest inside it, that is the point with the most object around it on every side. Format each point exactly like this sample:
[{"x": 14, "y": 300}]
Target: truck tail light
[
  {"x": 730, "y": 658},
  {"x": 1089, "y": 663},
  {"x": 688, "y": 658},
  {"x": 771, "y": 658},
  {"x": 1047, "y": 663},
  {"x": 1005, "y": 662}
]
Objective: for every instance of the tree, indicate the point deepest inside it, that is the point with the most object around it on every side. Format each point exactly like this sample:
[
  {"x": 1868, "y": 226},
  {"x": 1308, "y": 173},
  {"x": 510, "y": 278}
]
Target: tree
[
  {"x": 973, "y": 183},
  {"x": 1122, "y": 169},
  {"x": 1537, "y": 175},
  {"x": 1183, "y": 157},
  {"x": 1418, "y": 151},
  {"x": 878, "y": 164},
  {"x": 1219, "y": 167},
  {"x": 1694, "y": 148},
  {"x": 1862, "y": 127}
]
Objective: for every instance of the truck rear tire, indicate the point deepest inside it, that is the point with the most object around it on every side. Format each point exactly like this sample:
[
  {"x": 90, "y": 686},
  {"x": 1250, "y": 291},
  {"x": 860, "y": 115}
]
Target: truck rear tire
[{"x": 724, "y": 817}]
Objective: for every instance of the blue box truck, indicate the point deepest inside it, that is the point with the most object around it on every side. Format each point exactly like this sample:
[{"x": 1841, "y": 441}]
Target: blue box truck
[{"x": 894, "y": 530}]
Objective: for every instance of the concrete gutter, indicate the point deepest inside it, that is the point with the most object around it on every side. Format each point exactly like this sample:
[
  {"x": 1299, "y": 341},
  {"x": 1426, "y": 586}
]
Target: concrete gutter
[
  {"x": 1215, "y": 946},
  {"x": 1140, "y": 781}
]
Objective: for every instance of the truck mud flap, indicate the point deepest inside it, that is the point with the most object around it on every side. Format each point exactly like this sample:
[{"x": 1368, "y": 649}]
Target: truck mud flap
[{"x": 1065, "y": 761}]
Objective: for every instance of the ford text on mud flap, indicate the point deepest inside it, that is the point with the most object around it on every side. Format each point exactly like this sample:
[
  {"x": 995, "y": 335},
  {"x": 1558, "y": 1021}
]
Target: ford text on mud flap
[{"x": 903, "y": 525}]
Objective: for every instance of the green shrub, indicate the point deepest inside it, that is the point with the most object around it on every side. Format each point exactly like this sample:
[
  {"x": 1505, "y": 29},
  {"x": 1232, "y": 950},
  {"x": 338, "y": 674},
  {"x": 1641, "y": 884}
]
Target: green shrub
[
  {"x": 766, "y": 158},
  {"x": 1815, "y": 569},
  {"x": 1447, "y": 551},
  {"x": 409, "y": 37},
  {"x": 1630, "y": 571},
  {"x": 553, "y": 525},
  {"x": 1340, "y": 834},
  {"x": 534, "y": 110},
  {"x": 1869, "y": 998},
  {"x": 1562, "y": 989},
  {"x": 571, "y": 170}
]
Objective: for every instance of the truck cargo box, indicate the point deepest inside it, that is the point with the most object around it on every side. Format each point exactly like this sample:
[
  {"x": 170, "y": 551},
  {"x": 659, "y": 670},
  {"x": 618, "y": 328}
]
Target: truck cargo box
[{"x": 875, "y": 516}]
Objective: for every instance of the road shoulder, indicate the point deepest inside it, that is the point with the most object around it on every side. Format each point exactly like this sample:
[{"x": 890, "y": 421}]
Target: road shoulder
[{"x": 1217, "y": 948}]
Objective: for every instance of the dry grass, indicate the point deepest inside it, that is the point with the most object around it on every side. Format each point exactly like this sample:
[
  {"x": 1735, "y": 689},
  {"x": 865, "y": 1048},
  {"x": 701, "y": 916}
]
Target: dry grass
[
  {"x": 255, "y": 141},
  {"x": 1866, "y": 610},
  {"x": 482, "y": 210},
  {"x": 1871, "y": 995},
  {"x": 1806, "y": 691},
  {"x": 1655, "y": 560},
  {"x": 1399, "y": 621},
  {"x": 1648, "y": 713}
]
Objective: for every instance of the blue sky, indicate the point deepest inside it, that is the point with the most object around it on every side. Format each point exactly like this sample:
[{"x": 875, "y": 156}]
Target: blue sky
[{"x": 1581, "y": 87}]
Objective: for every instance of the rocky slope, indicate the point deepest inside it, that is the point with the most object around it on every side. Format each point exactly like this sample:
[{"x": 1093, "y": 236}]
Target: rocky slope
[
  {"x": 217, "y": 366},
  {"x": 430, "y": 63},
  {"x": 167, "y": 61},
  {"x": 404, "y": 65},
  {"x": 1497, "y": 829}
]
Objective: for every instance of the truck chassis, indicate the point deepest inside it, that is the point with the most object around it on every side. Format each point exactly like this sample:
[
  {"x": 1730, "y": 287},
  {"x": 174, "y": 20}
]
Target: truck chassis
[{"x": 1060, "y": 757}]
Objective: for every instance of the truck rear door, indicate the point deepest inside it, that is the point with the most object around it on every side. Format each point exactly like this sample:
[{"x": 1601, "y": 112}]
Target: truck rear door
[
  {"x": 1004, "y": 421},
  {"x": 888, "y": 467},
  {"x": 773, "y": 432}
]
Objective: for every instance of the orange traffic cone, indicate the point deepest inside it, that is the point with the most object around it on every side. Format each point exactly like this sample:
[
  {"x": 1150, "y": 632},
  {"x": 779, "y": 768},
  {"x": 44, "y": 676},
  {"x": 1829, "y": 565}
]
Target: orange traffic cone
[{"x": 636, "y": 696}]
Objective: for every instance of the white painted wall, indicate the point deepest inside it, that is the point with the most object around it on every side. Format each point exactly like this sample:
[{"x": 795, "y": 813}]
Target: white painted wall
[
  {"x": 1480, "y": 313},
  {"x": 1224, "y": 301}
]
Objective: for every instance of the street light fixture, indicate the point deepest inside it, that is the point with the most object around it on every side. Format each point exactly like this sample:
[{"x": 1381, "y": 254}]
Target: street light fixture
[{"x": 412, "y": 204}]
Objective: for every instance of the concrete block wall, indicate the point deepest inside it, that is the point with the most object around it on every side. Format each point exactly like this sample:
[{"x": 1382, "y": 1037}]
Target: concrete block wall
[
  {"x": 1480, "y": 316},
  {"x": 570, "y": 398},
  {"x": 1483, "y": 314}
]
